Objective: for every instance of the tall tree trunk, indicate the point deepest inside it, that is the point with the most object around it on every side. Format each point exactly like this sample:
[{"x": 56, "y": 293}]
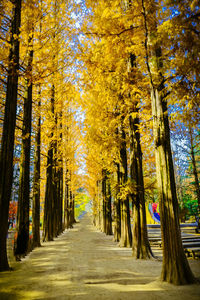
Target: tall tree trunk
[
  {"x": 104, "y": 199},
  {"x": 48, "y": 224},
  {"x": 55, "y": 175},
  {"x": 60, "y": 180},
  {"x": 117, "y": 208},
  {"x": 98, "y": 205},
  {"x": 49, "y": 195},
  {"x": 141, "y": 247},
  {"x": 175, "y": 267},
  {"x": 7, "y": 143},
  {"x": 106, "y": 193},
  {"x": 36, "y": 180},
  {"x": 126, "y": 235},
  {"x": 108, "y": 208},
  {"x": 71, "y": 207},
  {"x": 95, "y": 207},
  {"x": 66, "y": 206},
  {"x": 22, "y": 244},
  {"x": 60, "y": 202}
]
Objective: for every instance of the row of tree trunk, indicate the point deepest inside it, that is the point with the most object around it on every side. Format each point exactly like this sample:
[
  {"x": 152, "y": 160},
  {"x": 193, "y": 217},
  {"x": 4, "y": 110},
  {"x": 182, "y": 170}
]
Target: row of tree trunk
[
  {"x": 58, "y": 212},
  {"x": 175, "y": 268}
]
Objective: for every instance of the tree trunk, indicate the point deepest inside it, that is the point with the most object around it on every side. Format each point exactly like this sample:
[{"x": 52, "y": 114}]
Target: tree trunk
[
  {"x": 36, "y": 181},
  {"x": 175, "y": 267},
  {"x": 48, "y": 224},
  {"x": 22, "y": 244},
  {"x": 49, "y": 195},
  {"x": 7, "y": 143},
  {"x": 60, "y": 202},
  {"x": 126, "y": 235},
  {"x": 95, "y": 207},
  {"x": 107, "y": 214},
  {"x": 108, "y": 209},
  {"x": 71, "y": 207},
  {"x": 60, "y": 180},
  {"x": 117, "y": 207},
  {"x": 104, "y": 199},
  {"x": 141, "y": 247},
  {"x": 66, "y": 206},
  {"x": 55, "y": 174}
]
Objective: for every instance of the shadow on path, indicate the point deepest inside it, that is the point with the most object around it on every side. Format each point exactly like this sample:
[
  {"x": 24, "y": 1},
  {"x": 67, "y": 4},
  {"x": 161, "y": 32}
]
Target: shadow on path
[{"x": 86, "y": 264}]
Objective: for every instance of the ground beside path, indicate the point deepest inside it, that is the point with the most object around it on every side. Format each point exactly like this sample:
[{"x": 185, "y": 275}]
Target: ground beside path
[{"x": 84, "y": 263}]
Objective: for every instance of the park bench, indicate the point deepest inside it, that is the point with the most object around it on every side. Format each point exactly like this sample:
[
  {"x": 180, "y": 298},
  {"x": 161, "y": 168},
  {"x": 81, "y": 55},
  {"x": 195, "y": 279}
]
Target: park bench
[
  {"x": 194, "y": 251},
  {"x": 192, "y": 242}
]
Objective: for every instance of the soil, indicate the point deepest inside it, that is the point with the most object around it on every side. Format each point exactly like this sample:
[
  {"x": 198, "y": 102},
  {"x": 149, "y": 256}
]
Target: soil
[{"x": 85, "y": 264}]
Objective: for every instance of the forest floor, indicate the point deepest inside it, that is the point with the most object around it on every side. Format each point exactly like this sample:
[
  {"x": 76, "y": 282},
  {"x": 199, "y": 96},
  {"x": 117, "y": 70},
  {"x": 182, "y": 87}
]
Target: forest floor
[{"x": 84, "y": 263}]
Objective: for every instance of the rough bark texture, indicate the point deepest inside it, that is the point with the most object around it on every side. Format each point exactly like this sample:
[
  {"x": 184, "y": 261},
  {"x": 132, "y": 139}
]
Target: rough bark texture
[
  {"x": 48, "y": 224},
  {"x": 71, "y": 208},
  {"x": 117, "y": 209},
  {"x": 7, "y": 143},
  {"x": 108, "y": 209},
  {"x": 104, "y": 199},
  {"x": 175, "y": 267},
  {"x": 141, "y": 247},
  {"x": 106, "y": 193},
  {"x": 49, "y": 197},
  {"x": 95, "y": 207},
  {"x": 22, "y": 243},
  {"x": 60, "y": 180},
  {"x": 36, "y": 182},
  {"x": 66, "y": 206},
  {"x": 60, "y": 197},
  {"x": 126, "y": 235},
  {"x": 69, "y": 202}
]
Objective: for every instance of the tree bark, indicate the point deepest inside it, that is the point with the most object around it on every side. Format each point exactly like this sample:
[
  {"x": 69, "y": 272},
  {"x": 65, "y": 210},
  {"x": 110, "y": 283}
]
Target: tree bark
[
  {"x": 175, "y": 267},
  {"x": 140, "y": 246},
  {"x": 48, "y": 224},
  {"x": 108, "y": 209},
  {"x": 60, "y": 180},
  {"x": 66, "y": 206},
  {"x": 36, "y": 181},
  {"x": 7, "y": 143},
  {"x": 22, "y": 243},
  {"x": 117, "y": 208},
  {"x": 126, "y": 235},
  {"x": 104, "y": 199},
  {"x": 107, "y": 214}
]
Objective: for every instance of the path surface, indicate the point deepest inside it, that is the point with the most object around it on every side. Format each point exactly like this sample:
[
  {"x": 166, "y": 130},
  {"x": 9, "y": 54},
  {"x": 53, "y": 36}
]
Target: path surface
[{"x": 85, "y": 264}]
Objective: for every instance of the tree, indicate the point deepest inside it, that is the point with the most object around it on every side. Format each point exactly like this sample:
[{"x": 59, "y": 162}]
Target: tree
[
  {"x": 22, "y": 243},
  {"x": 7, "y": 144},
  {"x": 126, "y": 235},
  {"x": 36, "y": 179},
  {"x": 106, "y": 193},
  {"x": 49, "y": 213},
  {"x": 175, "y": 267}
]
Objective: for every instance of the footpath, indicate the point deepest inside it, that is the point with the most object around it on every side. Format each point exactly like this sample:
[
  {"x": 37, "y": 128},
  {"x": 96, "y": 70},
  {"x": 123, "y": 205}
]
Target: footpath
[{"x": 85, "y": 264}]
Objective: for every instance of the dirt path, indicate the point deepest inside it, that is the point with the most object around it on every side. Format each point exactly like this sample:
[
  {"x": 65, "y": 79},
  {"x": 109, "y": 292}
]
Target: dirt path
[{"x": 85, "y": 264}]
